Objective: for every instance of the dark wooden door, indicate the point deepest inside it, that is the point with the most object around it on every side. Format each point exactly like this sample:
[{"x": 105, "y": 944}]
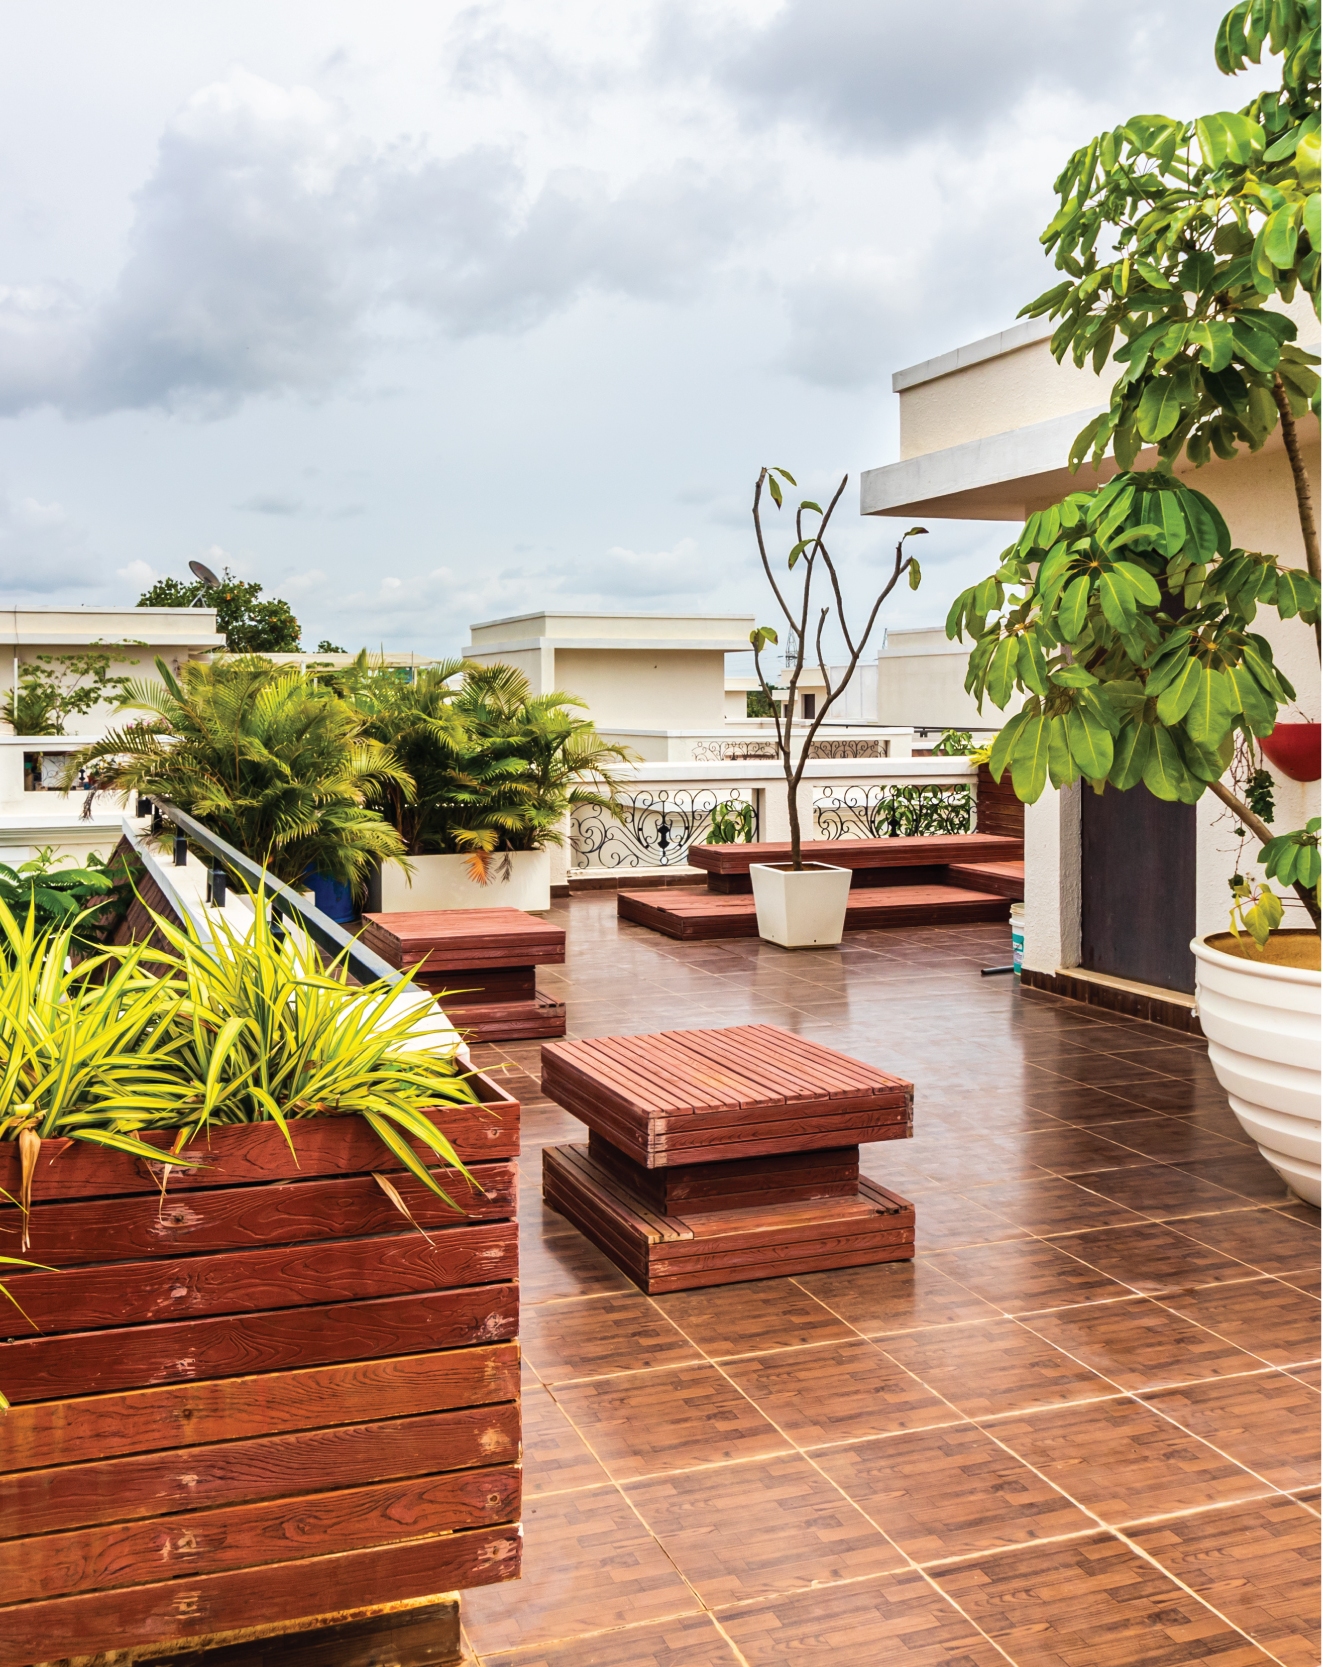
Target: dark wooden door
[{"x": 1137, "y": 872}]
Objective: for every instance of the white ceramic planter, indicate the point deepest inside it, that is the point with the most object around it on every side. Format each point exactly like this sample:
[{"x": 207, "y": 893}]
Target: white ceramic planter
[
  {"x": 516, "y": 880},
  {"x": 800, "y": 910},
  {"x": 1262, "y": 1025}
]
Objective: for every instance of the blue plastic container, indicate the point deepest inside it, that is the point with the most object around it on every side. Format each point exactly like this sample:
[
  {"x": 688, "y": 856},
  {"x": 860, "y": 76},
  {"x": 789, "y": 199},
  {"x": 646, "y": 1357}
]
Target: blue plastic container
[{"x": 333, "y": 897}]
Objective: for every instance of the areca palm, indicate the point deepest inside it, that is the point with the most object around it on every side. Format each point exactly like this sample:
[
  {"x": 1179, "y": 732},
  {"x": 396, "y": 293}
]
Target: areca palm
[{"x": 277, "y": 765}]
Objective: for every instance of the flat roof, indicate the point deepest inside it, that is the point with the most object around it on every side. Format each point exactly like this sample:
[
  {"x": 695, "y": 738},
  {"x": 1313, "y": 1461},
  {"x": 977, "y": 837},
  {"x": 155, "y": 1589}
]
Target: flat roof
[{"x": 1022, "y": 334}]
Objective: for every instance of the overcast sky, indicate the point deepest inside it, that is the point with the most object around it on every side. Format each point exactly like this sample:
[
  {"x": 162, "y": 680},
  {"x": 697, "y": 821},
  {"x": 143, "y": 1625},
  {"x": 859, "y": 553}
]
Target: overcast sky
[{"x": 424, "y": 314}]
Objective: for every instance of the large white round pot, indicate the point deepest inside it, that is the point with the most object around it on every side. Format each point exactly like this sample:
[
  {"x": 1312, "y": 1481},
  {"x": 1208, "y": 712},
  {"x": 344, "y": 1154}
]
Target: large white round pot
[
  {"x": 515, "y": 880},
  {"x": 800, "y": 909},
  {"x": 1262, "y": 1025}
]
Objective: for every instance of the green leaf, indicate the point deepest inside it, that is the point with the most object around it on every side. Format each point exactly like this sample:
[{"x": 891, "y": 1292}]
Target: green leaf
[
  {"x": 1090, "y": 744},
  {"x": 786, "y": 476},
  {"x": 1118, "y": 601},
  {"x": 956, "y": 616},
  {"x": 1175, "y": 527},
  {"x": 1001, "y": 746},
  {"x": 1061, "y": 767},
  {"x": 1281, "y": 235},
  {"x": 1029, "y": 759},
  {"x": 1178, "y": 697},
  {"x": 1140, "y": 581},
  {"x": 1296, "y": 592},
  {"x": 1087, "y": 437},
  {"x": 1260, "y": 712},
  {"x": 1073, "y": 677},
  {"x": 1160, "y": 407},
  {"x": 1130, "y": 755},
  {"x": 807, "y": 503},
  {"x": 1215, "y": 342},
  {"x": 1258, "y": 347},
  {"x": 1228, "y": 137},
  {"x": 1213, "y": 708},
  {"x": 1164, "y": 772},
  {"x": 774, "y": 487},
  {"x": 1074, "y": 608},
  {"x": 916, "y": 576},
  {"x": 1001, "y": 673},
  {"x": 1031, "y": 665},
  {"x": 798, "y": 550}
]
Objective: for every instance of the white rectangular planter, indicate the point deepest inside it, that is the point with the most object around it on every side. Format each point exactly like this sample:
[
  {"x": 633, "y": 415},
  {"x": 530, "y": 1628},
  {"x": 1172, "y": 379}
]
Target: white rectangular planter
[
  {"x": 516, "y": 880},
  {"x": 800, "y": 910}
]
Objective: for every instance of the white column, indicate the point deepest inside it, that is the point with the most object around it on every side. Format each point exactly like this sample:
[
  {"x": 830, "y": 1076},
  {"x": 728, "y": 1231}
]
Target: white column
[{"x": 1052, "y": 881}]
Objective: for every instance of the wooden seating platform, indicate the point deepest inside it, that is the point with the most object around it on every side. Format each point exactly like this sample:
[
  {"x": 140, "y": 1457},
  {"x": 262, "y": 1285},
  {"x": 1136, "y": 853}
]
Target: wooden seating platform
[
  {"x": 716, "y": 1156},
  {"x": 693, "y": 914},
  {"x": 1006, "y": 879},
  {"x": 482, "y": 961},
  {"x": 927, "y": 880}
]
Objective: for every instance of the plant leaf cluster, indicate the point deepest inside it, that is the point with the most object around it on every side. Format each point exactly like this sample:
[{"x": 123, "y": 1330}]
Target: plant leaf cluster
[
  {"x": 1125, "y": 616},
  {"x": 58, "y": 896},
  {"x": 1175, "y": 235},
  {"x": 251, "y": 626},
  {"x": 55, "y": 687}
]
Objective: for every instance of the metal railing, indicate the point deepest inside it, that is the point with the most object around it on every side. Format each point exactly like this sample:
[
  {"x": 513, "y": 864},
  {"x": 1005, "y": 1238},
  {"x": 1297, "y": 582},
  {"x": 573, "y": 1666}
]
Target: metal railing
[{"x": 283, "y": 901}]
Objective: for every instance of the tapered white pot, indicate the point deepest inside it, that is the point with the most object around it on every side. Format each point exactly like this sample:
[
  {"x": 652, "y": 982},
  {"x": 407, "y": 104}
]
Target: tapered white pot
[
  {"x": 1262, "y": 1025},
  {"x": 800, "y": 910},
  {"x": 515, "y": 880}
]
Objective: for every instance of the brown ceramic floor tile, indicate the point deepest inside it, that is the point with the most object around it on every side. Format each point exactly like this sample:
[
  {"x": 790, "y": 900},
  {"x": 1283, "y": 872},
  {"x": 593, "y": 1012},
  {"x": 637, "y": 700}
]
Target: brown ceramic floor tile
[
  {"x": 1053, "y": 1205},
  {"x": 896, "y": 1620},
  {"x": 1161, "y": 1192},
  {"x": 1189, "y": 1064},
  {"x": 1123, "y": 1462},
  {"x": 1269, "y": 1423},
  {"x": 1273, "y": 1241},
  {"x": 743, "y": 1531},
  {"x": 564, "y": 1265},
  {"x": 947, "y": 1219},
  {"x": 1024, "y": 1277},
  {"x": 742, "y": 1319},
  {"x": 1174, "y": 1096},
  {"x": 1152, "y": 1258},
  {"x": 1173, "y": 1140},
  {"x": 1310, "y": 1375},
  {"x": 644, "y": 1423},
  {"x": 555, "y": 1460},
  {"x": 599, "y": 1335},
  {"x": 1094, "y": 1603},
  {"x": 1078, "y": 1153},
  {"x": 1255, "y": 1564},
  {"x": 1217, "y": 1117},
  {"x": 993, "y": 1368},
  {"x": 837, "y": 1392},
  {"x": 1139, "y": 1344},
  {"x": 949, "y": 1492},
  {"x": 1086, "y": 1108},
  {"x": 589, "y": 1563},
  {"x": 688, "y": 1641},
  {"x": 895, "y": 1297},
  {"x": 1273, "y": 1320}
]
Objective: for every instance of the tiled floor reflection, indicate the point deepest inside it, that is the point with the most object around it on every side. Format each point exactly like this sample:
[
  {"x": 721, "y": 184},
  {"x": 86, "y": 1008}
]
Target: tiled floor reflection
[{"x": 1082, "y": 1427}]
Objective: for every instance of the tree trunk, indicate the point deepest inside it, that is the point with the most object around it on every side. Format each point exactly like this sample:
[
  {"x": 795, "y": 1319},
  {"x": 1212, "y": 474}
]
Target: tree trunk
[
  {"x": 796, "y": 847},
  {"x": 1304, "y": 497}
]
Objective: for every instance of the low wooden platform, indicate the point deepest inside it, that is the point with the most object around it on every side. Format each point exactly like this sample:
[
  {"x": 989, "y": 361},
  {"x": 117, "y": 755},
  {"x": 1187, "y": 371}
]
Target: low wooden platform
[
  {"x": 721, "y": 1247},
  {"x": 1005, "y": 879},
  {"x": 703, "y": 1096},
  {"x": 482, "y": 962},
  {"x": 705, "y": 914},
  {"x": 727, "y": 866}
]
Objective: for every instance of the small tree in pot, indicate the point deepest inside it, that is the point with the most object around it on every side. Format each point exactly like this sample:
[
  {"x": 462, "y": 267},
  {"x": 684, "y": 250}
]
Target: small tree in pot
[{"x": 809, "y": 554}]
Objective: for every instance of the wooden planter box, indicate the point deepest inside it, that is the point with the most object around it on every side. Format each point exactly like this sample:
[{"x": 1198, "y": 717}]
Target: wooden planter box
[
  {"x": 999, "y": 811},
  {"x": 262, "y": 1395}
]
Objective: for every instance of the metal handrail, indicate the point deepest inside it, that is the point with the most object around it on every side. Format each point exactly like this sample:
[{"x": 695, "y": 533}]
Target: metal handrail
[{"x": 326, "y": 933}]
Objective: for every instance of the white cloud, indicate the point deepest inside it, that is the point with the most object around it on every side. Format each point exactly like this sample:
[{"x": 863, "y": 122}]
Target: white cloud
[{"x": 138, "y": 573}]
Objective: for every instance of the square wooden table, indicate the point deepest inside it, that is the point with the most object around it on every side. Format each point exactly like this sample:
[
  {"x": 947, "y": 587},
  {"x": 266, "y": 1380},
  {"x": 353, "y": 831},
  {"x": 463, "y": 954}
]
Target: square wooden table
[
  {"x": 482, "y": 962},
  {"x": 715, "y": 1156}
]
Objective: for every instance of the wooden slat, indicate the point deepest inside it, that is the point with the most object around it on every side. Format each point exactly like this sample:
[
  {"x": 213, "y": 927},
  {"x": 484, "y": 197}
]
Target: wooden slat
[
  {"x": 510, "y": 1021},
  {"x": 265, "y": 1467},
  {"x": 241, "y": 1154},
  {"x": 691, "y": 916},
  {"x": 904, "y": 852},
  {"x": 107, "y": 1230},
  {"x": 48, "y": 1434},
  {"x": 1004, "y": 879},
  {"x": 313, "y": 1586},
  {"x": 268, "y": 1279},
  {"x": 245, "y": 1536},
  {"x": 732, "y": 1185},
  {"x": 99, "y": 1362}
]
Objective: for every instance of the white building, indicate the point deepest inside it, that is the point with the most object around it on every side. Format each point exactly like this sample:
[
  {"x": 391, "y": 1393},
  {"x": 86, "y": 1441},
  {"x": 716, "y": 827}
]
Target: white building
[{"x": 1116, "y": 884}]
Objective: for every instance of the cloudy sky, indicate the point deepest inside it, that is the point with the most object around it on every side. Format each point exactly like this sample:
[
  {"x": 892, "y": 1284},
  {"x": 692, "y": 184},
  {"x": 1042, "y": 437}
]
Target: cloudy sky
[{"x": 423, "y": 314}]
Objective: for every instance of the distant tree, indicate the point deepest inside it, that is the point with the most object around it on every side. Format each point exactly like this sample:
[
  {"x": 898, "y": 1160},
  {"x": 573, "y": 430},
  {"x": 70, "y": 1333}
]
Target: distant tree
[
  {"x": 326, "y": 647},
  {"x": 250, "y": 626},
  {"x": 757, "y": 705}
]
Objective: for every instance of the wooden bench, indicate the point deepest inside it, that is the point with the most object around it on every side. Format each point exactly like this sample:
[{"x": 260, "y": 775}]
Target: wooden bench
[
  {"x": 716, "y": 1156},
  {"x": 482, "y": 962}
]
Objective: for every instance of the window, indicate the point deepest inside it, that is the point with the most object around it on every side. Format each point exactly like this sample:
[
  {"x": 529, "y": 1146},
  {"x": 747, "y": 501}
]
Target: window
[{"x": 810, "y": 706}]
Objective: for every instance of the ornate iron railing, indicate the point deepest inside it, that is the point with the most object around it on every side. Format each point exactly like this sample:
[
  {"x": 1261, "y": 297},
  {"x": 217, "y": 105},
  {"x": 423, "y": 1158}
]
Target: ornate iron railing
[
  {"x": 889, "y": 810},
  {"x": 756, "y": 752},
  {"x": 655, "y": 829}
]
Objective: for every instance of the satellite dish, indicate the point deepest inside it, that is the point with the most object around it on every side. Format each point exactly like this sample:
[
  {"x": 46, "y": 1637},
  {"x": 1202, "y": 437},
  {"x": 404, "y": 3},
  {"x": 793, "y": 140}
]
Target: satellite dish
[{"x": 200, "y": 571}]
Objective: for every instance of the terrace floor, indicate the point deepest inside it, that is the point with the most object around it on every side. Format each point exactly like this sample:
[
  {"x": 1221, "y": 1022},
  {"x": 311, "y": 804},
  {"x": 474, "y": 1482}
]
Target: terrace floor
[{"x": 1081, "y": 1428}]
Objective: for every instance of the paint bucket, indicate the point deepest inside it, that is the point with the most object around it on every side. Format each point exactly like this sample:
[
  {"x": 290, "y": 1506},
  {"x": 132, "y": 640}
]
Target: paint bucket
[{"x": 1017, "y": 936}]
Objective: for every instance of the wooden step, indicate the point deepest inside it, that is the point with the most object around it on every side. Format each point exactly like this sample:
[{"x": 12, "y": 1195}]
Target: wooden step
[
  {"x": 918, "y": 851},
  {"x": 1005, "y": 879},
  {"x": 703, "y": 914},
  {"x": 683, "y": 1252}
]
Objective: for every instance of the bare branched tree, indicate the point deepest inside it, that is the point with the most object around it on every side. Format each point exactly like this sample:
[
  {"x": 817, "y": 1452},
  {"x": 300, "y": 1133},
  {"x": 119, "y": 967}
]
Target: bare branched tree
[{"x": 810, "y": 550}]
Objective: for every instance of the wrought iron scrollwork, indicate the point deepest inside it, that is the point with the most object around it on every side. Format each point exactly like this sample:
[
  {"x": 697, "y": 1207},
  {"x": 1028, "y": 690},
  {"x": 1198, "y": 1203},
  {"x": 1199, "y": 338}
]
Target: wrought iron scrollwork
[
  {"x": 733, "y": 752},
  {"x": 893, "y": 810},
  {"x": 846, "y": 749},
  {"x": 655, "y": 830}
]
